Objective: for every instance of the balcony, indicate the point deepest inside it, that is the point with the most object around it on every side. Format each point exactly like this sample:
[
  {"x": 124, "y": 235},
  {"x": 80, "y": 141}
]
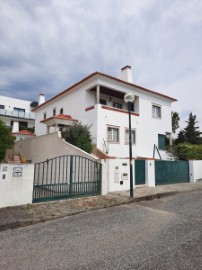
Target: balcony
[
  {"x": 17, "y": 114},
  {"x": 111, "y": 99}
]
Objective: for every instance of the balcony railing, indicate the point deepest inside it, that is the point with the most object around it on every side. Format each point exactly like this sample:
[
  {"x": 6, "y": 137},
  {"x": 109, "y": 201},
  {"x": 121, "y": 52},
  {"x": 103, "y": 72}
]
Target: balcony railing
[{"x": 17, "y": 114}]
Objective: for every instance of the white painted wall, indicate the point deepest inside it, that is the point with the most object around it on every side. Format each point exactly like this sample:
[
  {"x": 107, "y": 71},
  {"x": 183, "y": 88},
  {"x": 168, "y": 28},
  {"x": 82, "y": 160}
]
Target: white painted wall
[
  {"x": 9, "y": 104},
  {"x": 119, "y": 170},
  {"x": 147, "y": 128},
  {"x": 150, "y": 173},
  {"x": 73, "y": 103},
  {"x": 16, "y": 190},
  {"x": 195, "y": 170},
  {"x": 41, "y": 148}
]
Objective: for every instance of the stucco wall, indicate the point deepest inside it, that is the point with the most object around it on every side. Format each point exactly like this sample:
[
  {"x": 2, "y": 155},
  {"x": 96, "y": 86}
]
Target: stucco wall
[
  {"x": 48, "y": 146},
  {"x": 119, "y": 174},
  {"x": 16, "y": 184},
  {"x": 195, "y": 170},
  {"x": 147, "y": 127}
]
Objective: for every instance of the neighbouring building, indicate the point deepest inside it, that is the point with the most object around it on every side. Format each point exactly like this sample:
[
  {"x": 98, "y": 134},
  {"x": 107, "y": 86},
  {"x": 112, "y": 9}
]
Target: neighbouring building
[
  {"x": 98, "y": 101},
  {"x": 17, "y": 114}
]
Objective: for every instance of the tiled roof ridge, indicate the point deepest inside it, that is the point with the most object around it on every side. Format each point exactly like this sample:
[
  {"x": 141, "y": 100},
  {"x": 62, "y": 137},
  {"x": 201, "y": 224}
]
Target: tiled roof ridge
[
  {"x": 60, "y": 116},
  {"x": 107, "y": 76},
  {"x": 24, "y": 132}
]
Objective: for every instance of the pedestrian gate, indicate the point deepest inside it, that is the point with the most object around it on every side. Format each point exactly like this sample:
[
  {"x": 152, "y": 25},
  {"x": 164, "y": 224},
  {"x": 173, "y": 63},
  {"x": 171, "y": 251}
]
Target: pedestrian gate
[
  {"x": 66, "y": 176},
  {"x": 139, "y": 172}
]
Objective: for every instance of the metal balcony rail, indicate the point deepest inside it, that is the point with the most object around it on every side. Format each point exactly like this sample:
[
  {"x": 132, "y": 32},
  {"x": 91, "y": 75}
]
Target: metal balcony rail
[{"x": 18, "y": 114}]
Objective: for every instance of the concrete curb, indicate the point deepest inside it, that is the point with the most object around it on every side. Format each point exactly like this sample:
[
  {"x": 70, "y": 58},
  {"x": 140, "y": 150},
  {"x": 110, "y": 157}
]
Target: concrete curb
[{"x": 24, "y": 223}]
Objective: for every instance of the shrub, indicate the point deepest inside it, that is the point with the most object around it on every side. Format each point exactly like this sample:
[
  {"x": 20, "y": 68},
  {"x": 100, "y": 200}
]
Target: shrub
[
  {"x": 79, "y": 135},
  {"x": 189, "y": 151},
  {"x": 6, "y": 139}
]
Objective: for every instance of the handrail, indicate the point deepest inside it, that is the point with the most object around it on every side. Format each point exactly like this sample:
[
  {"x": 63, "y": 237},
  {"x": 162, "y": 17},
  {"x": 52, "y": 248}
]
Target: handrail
[
  {"x": 17, "y": 114},
  {"x": 156, "y": 149}
]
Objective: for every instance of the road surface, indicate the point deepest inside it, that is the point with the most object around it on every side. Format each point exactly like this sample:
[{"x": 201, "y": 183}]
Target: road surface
[{"x": 159, "y": 234}]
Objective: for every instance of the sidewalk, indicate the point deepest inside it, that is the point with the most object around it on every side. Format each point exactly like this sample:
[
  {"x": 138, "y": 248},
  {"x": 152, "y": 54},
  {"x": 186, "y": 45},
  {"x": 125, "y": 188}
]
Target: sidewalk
[{"x": 19, "y": 216}]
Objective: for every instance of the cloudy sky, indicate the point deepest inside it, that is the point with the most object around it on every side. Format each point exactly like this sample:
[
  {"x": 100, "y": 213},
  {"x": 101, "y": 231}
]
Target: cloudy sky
[{"x": 48, "y": 45}]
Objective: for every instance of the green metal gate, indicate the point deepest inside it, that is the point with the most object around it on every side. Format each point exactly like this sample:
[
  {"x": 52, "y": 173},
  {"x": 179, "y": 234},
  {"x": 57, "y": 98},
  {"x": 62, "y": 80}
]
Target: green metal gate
[
  {"x": 66, "y": 176},
  {"x": 170, "y": 172},
  {"x": 139, "y": 172}
]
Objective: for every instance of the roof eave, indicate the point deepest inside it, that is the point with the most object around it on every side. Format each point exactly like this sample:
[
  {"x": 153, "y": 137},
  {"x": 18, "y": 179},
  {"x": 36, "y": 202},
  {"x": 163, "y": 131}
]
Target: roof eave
[{"x": 109, "y": 77}]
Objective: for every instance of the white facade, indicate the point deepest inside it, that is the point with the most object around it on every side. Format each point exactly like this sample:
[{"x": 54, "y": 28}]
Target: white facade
[
  {"x": 16, "y": 184},
  {"x": 98, "y": 101},
  {"x": 15, "y": 112}
]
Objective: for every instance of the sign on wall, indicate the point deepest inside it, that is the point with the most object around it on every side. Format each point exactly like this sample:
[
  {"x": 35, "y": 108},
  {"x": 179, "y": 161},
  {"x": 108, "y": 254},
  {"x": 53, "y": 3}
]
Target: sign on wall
[{"x": 17, "y": 171}]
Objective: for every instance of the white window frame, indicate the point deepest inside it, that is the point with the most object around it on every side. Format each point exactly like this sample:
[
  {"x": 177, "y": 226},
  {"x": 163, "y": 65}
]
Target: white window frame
[
  {"x": 155, "y": 108},
  {"x": 113, "y": 137},
  {"x": 133, "y": 136}
]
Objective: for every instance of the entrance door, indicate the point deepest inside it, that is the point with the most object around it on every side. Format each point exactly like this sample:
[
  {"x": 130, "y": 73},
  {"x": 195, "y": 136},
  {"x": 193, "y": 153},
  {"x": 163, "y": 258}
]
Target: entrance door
[{"x": 139, "y": 172}]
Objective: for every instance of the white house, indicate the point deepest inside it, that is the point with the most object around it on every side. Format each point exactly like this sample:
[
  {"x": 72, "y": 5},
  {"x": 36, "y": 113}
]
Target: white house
[
  {"x": 98, "y": 101},
  {"x": 17, "y": 112}
]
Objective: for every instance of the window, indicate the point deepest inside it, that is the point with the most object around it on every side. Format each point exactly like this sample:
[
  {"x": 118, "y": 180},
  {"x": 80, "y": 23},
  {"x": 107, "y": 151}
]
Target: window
[
  {"x": 2, "y": 107},
  {"x": 133, "y": 136},
  {"x": 103, "y": 101},
  {"x": 161, "y": 142},
  {"x": 156, "y": 111},
  {"x": 113, "y": 134},
  {"x": 54, "y": 112},
  {"x": 117, "y": 105},
  {"x": 19, "y": 112},
  {"x": 44, "y": 116},
  {"x": 19, "y": 109},
  {"x": 61, "y": 111}
]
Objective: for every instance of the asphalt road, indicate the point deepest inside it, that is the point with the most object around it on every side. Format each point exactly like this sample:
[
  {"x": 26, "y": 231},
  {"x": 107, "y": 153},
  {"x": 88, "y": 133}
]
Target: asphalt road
[{"x": 160, "y": 234}]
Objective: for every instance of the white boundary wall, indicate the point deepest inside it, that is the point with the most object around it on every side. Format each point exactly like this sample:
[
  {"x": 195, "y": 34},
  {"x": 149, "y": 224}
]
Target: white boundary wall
[
  {"x": 41, "y": 148},
  {"x": 16, "y": 184},
  {"x": 195, "y": 170},
  {"x": 116, "y": 175}
]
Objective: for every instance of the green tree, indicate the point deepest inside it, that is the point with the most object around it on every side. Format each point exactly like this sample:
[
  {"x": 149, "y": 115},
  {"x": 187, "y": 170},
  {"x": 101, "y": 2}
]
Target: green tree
[
  {"x": 79, "y": 135},
  {"x": 6, "y": 140},
  {"x": 181, "y": 138},
  {"x": 175, "y": 121},
  {"x": 191, "y": 131}
]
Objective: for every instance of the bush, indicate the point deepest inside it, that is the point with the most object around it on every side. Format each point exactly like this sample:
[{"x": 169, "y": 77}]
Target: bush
[
  {"x": 6, "y": 139},
  {"x": 189, "y": 151},
  {"x": 79, "y": 135}
]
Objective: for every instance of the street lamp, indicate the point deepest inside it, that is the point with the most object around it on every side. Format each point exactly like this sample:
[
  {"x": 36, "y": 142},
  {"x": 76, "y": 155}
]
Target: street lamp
[{"x": 129, "y": 99}]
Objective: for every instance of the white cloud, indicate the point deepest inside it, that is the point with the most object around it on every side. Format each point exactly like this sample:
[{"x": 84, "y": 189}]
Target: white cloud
[{"x": 48, "y": 45}]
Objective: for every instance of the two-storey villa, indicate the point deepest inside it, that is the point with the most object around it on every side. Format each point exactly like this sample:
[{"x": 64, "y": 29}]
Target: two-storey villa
[{"x": 98, "y": 101}]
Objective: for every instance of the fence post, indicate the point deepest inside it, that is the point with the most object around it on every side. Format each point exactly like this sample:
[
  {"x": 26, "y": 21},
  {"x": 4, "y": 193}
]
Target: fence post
[
  {"x": 191, "y": 171},
  {"x": 150, "y": 172},
  {"x": 70, "y": 176}
]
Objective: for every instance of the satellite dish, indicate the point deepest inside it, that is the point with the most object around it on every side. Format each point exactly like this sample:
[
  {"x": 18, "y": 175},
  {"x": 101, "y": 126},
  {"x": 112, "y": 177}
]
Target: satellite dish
[{"x": 129, "y": 98}]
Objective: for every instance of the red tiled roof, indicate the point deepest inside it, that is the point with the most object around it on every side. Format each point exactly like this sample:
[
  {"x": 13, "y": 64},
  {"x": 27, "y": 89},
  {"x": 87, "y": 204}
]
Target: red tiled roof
[
  {"x": 60, "y": 116},
  {"x": 107, "y": 76},
  {"x": 24, "y": 132}
]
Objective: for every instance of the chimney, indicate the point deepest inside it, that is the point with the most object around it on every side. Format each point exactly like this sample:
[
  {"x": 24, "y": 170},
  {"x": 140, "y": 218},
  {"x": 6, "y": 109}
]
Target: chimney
[
  {"x": 41, "y": 99},
  {"x": 126, "y": 74}
]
